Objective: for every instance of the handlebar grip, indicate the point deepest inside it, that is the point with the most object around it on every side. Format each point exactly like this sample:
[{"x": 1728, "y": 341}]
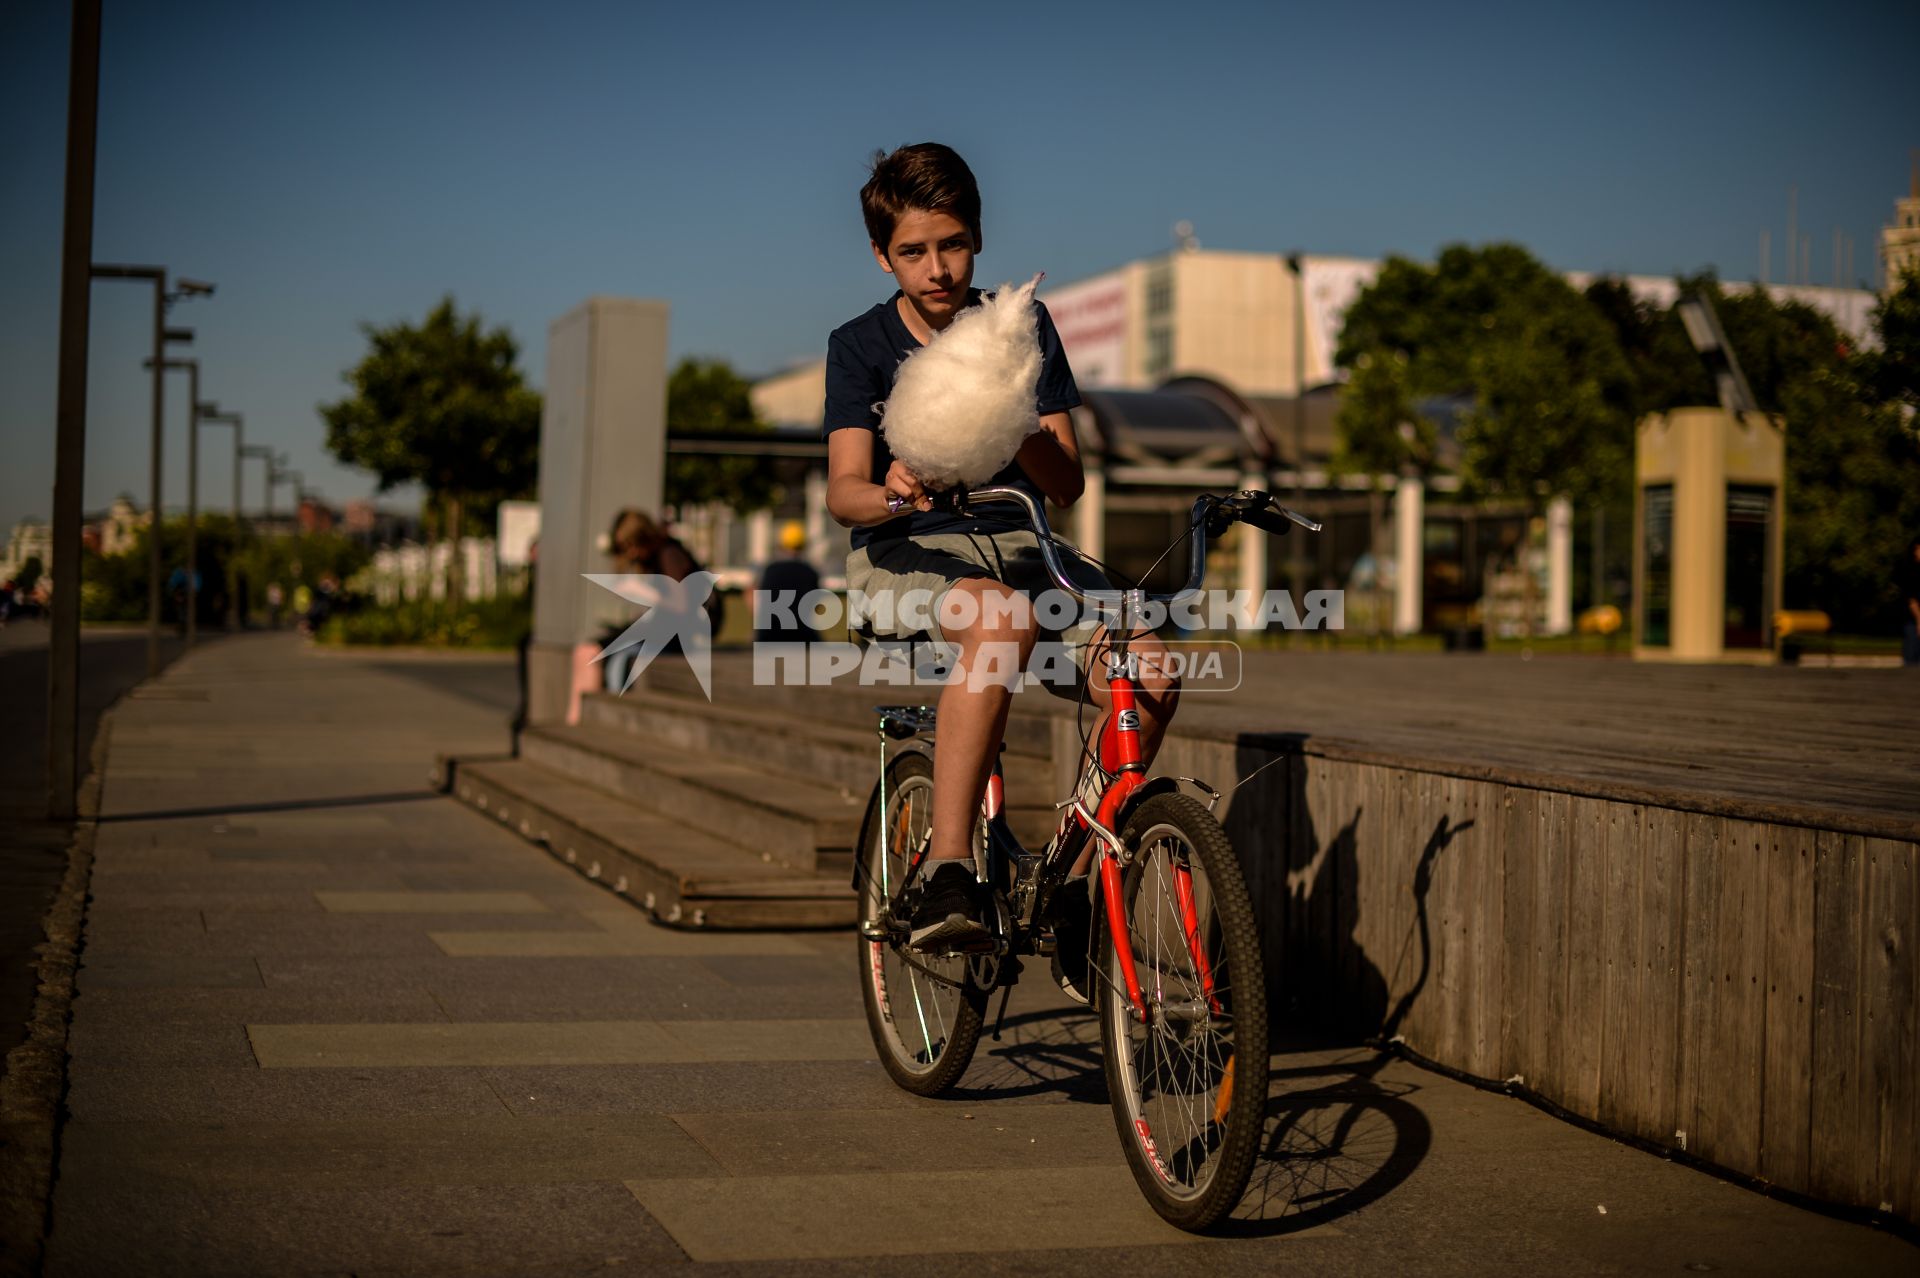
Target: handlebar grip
[{"x": 1268, "y": 521}]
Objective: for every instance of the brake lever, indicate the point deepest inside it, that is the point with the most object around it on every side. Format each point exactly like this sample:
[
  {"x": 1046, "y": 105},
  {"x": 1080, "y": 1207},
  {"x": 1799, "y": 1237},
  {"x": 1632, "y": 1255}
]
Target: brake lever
[{"x": 952, "y": 501}]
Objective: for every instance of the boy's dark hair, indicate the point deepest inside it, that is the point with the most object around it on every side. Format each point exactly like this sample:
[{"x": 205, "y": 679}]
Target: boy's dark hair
[{"x": 926, "y": 176}]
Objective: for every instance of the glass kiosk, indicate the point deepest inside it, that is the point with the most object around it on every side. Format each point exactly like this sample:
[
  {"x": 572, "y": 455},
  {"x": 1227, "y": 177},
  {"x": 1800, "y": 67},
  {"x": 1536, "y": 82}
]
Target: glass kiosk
[{"x": 1707, "y": 535}]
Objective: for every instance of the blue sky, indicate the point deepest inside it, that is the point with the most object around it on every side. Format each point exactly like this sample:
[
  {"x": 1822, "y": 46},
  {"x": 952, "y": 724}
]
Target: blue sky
[{"x": 333, "y": 164}]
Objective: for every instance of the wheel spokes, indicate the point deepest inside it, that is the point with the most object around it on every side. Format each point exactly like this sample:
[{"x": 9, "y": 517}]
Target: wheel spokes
[
  {"x": 1179, "y": 1064},
  {"x": 919, "y": 1040}
]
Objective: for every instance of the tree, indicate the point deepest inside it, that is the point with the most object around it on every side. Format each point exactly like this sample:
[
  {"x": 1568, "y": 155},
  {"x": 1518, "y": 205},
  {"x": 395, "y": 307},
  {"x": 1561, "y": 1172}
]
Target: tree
[
  {"x": 442, "y": 404},
  {"x": 1549, "y": 390},
  {"x": 1853, "y": 471},
  {"x": 1550, "y": 398},
  {"x": 30, "y": 573},
  {"x": 706, "y": 397},
  {"x": 1893, "y": 370},
  {"x": 1663, "y": 369}
]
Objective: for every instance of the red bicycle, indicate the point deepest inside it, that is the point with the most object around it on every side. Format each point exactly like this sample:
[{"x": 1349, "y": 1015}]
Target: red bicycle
[{"x": 1173, "y": 952}]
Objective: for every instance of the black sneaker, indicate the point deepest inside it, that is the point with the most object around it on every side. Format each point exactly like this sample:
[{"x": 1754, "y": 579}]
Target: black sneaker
[
  {"x": 1072, "y": 911},
  {"x": 949, "y": 913}
]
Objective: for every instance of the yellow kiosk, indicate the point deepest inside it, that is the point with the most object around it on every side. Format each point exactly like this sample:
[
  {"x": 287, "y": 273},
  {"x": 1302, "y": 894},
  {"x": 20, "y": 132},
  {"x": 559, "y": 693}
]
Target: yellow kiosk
[{"x": 1708, "y": 486}]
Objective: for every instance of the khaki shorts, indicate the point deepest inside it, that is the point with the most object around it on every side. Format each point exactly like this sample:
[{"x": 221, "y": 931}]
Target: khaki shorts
[{"x": 915, "y": 570}]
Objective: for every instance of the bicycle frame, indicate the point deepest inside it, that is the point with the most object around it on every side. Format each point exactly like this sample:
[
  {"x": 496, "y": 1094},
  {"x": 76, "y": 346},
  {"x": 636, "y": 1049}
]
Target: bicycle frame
[{"x": 1119, "y": 753}]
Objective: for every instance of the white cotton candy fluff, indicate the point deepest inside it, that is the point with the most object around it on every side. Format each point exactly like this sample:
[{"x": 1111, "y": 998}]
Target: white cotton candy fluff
[{"x": 962, "y": 405}]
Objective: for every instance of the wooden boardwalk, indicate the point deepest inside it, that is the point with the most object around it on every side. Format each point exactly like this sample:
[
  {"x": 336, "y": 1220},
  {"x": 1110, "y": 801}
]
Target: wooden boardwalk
[{"x": 1838, "y": 749}]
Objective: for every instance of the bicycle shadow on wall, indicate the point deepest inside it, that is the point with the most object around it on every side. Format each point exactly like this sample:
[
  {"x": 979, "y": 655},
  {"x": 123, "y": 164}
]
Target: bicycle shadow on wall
[{"x": 1337, "y": 1136}]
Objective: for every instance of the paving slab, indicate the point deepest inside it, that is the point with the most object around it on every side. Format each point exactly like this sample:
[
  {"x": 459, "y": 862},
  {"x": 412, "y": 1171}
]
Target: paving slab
[
  {"x": 582, "y": 1227},
  {"x": 99, "y": 1041},
  {"x": 853, "y": 1215},
  {"x": 359, "y": 1153},
  {"x": 556, "y": 1043},
  {"x": 106, "y": 971},
  {"x": 247, "y": 1093},
  {"x": 130, "y": 1007},
  {"x": 818, "y": 1087},
  {"x": 431, "y": 902},
  {"x": 698, "y": 999},
  {"x": 537, "y": 945},
  {"x": 768, "y": 1142}
]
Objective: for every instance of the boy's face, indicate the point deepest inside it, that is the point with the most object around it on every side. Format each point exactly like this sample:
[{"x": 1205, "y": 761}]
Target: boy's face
[{"x": 931, "y": 257}]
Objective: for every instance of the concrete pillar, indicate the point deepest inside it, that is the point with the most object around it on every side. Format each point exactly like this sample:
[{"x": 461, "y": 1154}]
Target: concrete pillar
[
  {"x": 602, "y": 448},
  {"x": 760, "y": 538},
  {"x": 816, "y": 502},
  {"x": 1409, "y": 555},
  {"x": 1559, "y": 567},
  {"x": 1251, "y": 580},
  {"x": 1090, "y": 514},
  {"x": 722, "y": 538}
]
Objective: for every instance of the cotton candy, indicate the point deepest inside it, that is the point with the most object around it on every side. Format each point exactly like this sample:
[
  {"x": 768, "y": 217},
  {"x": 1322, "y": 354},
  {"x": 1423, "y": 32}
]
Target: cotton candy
[{"x": 962, "y": 404}]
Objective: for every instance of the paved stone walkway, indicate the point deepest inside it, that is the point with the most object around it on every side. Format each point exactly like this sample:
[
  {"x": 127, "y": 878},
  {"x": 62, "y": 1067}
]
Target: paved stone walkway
[
  {"x": 330, "y": 1023},
  {"x": 33, "y": 850}
]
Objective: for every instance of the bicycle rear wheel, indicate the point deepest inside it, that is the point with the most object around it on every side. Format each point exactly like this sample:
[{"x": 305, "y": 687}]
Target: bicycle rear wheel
[
  {"x": 1189, "y": 1084},
  {"x": 923, "y": 1012}
]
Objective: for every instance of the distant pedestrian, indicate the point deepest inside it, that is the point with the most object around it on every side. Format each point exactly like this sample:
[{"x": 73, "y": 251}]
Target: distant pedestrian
[
  {"x": 1909, "y": 579},
  {"x": 641, "y": 547},
  {"x": 6, "y": 601},
  {"x": 276, "y": 600},
  {"x": 784, "y": 587},
  {"x": 325, "y": 599}
]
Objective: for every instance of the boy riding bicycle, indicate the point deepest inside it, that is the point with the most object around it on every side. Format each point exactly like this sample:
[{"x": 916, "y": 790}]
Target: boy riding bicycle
[{"x": 922, "y": 212}]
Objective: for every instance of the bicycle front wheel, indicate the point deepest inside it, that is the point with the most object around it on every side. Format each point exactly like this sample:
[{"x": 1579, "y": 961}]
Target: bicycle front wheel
[
  {"x": 923, "y": 1012},
  {"x": 1188, "y": 1082}
]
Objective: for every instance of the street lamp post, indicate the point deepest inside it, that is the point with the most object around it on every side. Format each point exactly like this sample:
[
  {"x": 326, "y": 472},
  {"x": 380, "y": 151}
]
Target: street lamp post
[
  {"x": 265, "y": 454},
  {"x": 70, "y": 421},
  {"x": 193, "y": 483},
  {"x": 162, "y": 299},
  {"x": 211, "y": 415},
  {"x": 276, "y": 468},
  {"x": 1297, "y": 568}
]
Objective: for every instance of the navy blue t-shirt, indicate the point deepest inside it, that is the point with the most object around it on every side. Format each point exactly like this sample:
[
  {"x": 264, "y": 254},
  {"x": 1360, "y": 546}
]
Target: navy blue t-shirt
[{"x": 863, "y": 358}]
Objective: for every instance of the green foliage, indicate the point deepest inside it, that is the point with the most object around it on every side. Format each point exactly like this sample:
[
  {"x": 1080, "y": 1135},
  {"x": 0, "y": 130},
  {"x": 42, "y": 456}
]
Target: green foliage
[
  {"x": 114, "y": 587},
  {"x": 301, "y": 561},
  {"x": 443, "y": 404},
  {"x": 1551, "y": 396},
  {"x": 1893, "y": 371},
  {"x": 500, "y": 622},
  {"x": 1853, "y": 499},
  {"x": 1664, "y": 371},
  {"x": 29, "y": 575},
  {"x": 706, "y": 397},
  {"x": 1380, "y": 430}
]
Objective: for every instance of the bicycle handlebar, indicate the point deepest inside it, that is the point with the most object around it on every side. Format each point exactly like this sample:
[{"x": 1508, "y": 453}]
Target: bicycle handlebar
[{"x": 1211, "y": 516}]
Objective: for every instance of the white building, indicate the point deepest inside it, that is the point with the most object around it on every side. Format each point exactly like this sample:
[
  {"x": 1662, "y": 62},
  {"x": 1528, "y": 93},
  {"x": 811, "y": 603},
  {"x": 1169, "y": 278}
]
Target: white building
[{"x": 31, "y": 539}]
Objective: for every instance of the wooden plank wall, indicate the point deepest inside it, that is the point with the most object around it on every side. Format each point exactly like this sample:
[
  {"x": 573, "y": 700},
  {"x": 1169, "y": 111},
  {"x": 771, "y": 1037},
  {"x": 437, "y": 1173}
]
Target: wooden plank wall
[{"x": 1740, "y": 990}]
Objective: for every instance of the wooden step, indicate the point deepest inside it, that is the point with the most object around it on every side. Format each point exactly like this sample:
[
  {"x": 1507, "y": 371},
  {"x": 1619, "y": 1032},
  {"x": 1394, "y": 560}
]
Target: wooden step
[
  {"x": 847, "y": 758},
  {"x": 674, "y": 871},
  {"x": 844, "y": 705},
  {"x": 788, "y": 820}
]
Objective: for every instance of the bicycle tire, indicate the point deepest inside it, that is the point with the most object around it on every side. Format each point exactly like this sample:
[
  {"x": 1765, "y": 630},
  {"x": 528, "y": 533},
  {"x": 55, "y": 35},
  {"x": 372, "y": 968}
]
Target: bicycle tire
[
  {"x": 1190, "y": 1147},
  {"x": 927, "y": 1053}
]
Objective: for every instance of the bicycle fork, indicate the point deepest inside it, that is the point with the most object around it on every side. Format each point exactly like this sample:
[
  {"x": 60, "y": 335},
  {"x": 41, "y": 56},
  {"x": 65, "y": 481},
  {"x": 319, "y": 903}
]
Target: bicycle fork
[{"x": 1120, "y": 754}]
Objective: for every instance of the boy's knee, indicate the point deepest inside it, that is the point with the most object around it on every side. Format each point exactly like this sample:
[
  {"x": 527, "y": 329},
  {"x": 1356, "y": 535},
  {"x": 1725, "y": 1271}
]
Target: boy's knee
[{"x": 987, "y": 611}]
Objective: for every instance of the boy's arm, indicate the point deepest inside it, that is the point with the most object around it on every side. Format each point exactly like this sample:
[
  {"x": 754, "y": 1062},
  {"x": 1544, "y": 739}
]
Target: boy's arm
[
  {"x": 1051, "y": 458},
  {"x": 854, "y": 500}
]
